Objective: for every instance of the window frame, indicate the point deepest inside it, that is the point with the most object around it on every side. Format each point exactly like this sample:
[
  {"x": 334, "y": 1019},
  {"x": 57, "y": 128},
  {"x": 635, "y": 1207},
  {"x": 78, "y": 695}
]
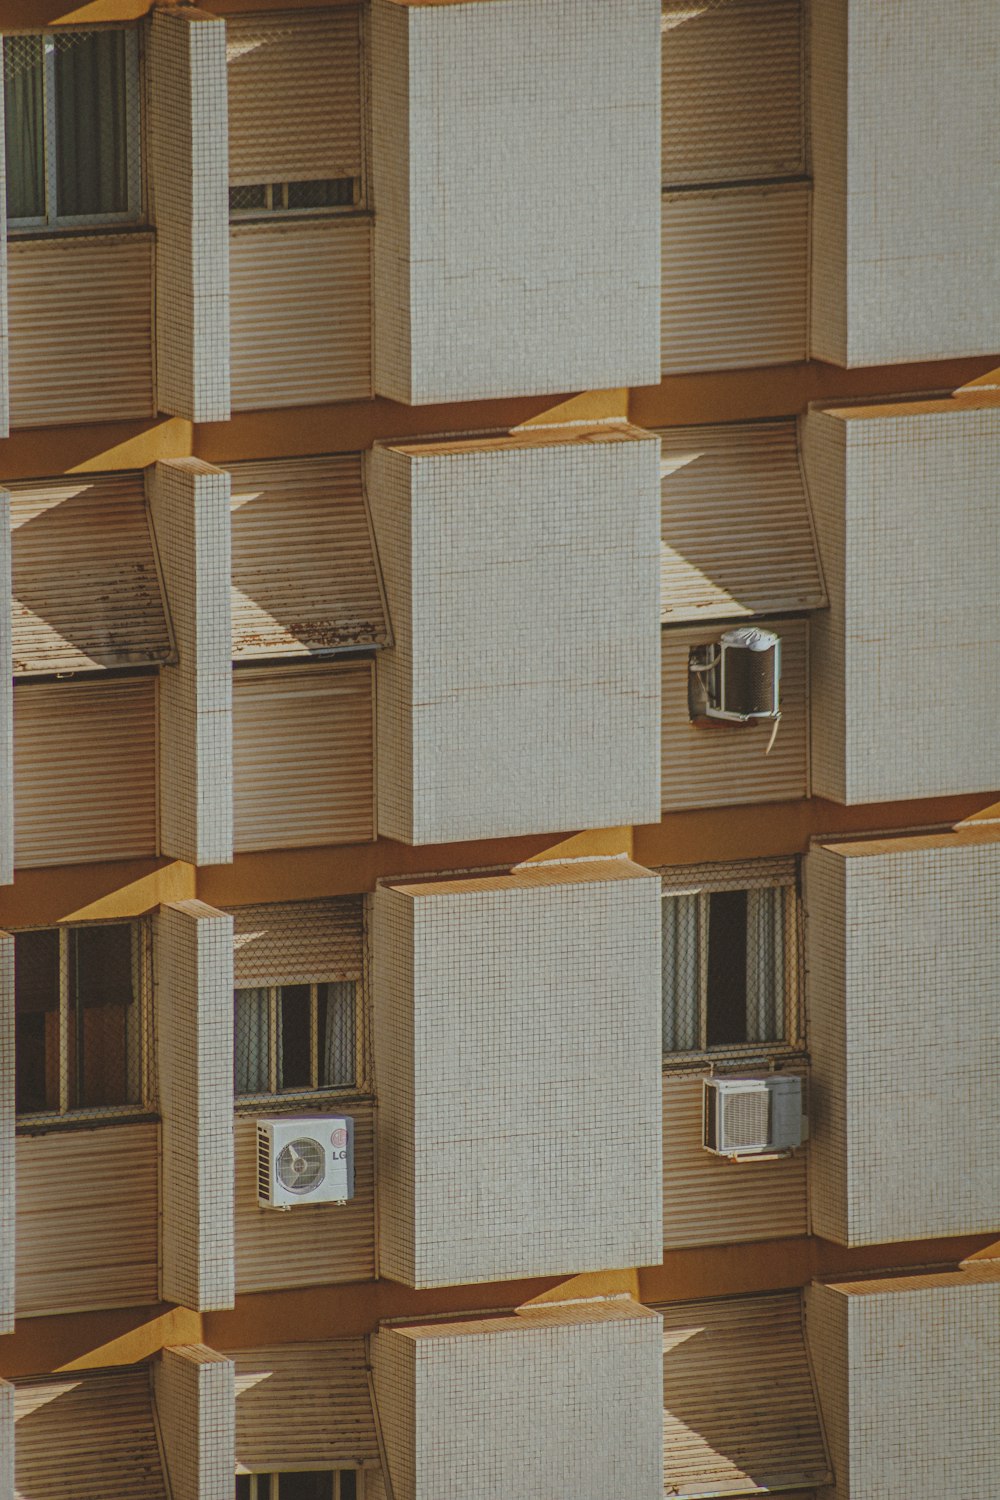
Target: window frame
[
  {"x": 281, "y": 213},
  {"x": 275, "y": 1477},
  {"x": 134, "y": 214},
  {"x": 66, "y": 1113},
  {"x": 773, "y": 874},
  {"x": 274, "y": 1096}
]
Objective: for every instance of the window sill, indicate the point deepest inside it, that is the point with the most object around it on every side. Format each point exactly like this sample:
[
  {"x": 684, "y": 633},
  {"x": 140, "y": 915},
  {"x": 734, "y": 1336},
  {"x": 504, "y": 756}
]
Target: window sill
[
  {"x": 318, "y": 1101},
  {"x": 28, "y": 1125},
  {"x": 776, "y": 1055}
]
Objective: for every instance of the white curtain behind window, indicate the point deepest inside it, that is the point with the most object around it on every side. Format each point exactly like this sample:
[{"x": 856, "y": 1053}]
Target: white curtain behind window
[
  {"x": 252, "y": 1009},
  {"x": 24, "y": 121},
  {"x": 766, "y": 965},
  {"x": 337, "y": 1035},
  {"x": 681, "y": 974}
]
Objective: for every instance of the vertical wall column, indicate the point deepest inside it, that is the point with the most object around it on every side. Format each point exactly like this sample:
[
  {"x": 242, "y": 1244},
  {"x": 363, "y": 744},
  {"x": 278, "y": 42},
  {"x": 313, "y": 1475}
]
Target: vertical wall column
[
  {"x": 189, "y": 501},
  {"x": 6, "y": 685},
  {"x": 188, "y": 165},
  {"x": 4, "y": 359},
  {"x": 7, "y": 1201},
  {"x": 194, "y": 1044},
  {"x": 6, "y": 1422},
  {"x": 195, "y": 1395}
]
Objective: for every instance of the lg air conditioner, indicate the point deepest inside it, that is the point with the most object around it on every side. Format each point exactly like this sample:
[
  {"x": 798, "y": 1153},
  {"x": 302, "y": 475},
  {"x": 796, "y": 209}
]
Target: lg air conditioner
[
  {"x": 753, "y": 1115},
  {"x": 737, "y": 679},
  {"x": 305, "y": 1159}
]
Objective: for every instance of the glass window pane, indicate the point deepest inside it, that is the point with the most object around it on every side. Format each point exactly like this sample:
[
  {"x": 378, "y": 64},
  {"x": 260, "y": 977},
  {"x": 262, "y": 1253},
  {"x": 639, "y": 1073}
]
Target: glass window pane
[
  {"x": 36, "y": 1005},
  {"x": 243, "y": 1487},
  {"x": 104, "y": 1020},
  {"x": 323, "y": 192},
  {"x": 251, "y": 1050},
  {"x": 317, "y": 1485},
  {"x": 681, "y": 974},
  {"x": 348, "y": 1485},
  {"x": 295, "y": 1054},
  {"x": 24, "y": 121},
  {"x": 727, "y": 968},
  {"x": 336, "y": 1034},
  {"x": 91, "y": 123},
  {"x": 766, "y": 950}
]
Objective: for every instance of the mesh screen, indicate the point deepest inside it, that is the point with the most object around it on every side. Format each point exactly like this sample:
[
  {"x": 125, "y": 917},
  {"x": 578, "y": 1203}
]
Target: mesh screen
[
  {"x": 294, "y": 197},
  {"x": 82, "y": 1025},
  {"x": 298, "y": 1015}
]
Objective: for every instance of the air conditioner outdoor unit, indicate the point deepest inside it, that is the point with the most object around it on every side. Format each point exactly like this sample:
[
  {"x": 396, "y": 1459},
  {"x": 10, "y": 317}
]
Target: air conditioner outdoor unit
[
  {"x": 739, "y": 678},
  {"x": 753, "y": 1115},
  {"x": 305, "y": 1159}
]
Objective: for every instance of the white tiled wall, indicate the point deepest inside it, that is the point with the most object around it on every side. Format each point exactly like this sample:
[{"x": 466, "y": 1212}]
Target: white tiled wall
[
  {"x": 523, "y": 688},
  {"x": 195, "y": 1398},
  {"x": 7, "y": 1200},
  {"x": 516, "y": 167},
  {"x": 505, "y": 1150},
  {"x": 6, "y": 698}
]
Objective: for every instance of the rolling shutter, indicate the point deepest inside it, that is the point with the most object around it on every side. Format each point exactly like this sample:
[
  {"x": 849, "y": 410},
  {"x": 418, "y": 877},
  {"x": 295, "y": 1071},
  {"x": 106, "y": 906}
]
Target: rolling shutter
[
  {"x": 303, "y": 1404},
  {"x": 80, "y": 312},
  {"x": 305, "y": 579},
  {"x": 91, "y": 1438},
  {"x": 315, "y": 1246},
  {"x": 86, "y": 585},
  {"x": 298, "y": 942},
  {"x": 105, "y": 1182},
  {"x": 84, "y": 771},
  {"x": 736, "y": 528},
  {"x": 718, "y": 765},
  {"x": 732, "y": 91},
  {"x": 710, "y": 1201},
  {"x": 735, "y": 277},
  {"x": 740, "y": 1412},
  {"x": 294, "y": 96},
  {"x": 303, "y": 752},
  {"x": 300, "y": 312}
]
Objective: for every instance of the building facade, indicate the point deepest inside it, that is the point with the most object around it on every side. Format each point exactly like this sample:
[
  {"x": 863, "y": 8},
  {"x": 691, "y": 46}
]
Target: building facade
[{"x": 498, "y": 639}]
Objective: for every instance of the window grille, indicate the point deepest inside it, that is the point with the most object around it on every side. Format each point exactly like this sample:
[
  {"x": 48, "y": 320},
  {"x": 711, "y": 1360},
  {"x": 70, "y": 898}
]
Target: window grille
[
  {"x": 72, "y": 121},
  {"x": 732, "y": 959},
  {"x": 265, "y": 199},
  {"x": 299, "y": 1025},
  {"x": 82, "y": 1021},
  {"x": 316, "y": 1484}
]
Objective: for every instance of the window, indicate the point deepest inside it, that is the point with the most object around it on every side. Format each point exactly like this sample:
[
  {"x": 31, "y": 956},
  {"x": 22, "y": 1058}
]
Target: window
[
  {"x": 71, "y": 111},
  {"x": 315, "y": 1484},
  {"x": 259, "y": 198},
  {"x": 731, "y": 958},
  {"x": 81, "y": 1018},
  {"x": 292, "y": 1038}
]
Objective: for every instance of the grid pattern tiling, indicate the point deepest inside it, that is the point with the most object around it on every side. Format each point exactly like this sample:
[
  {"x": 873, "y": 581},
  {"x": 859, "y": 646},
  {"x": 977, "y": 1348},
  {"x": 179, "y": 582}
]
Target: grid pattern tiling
[
  {"x": 538, "y": 284},
  {"x": 194, "y": 1393},
  {"x": 490, "y": 1006},
  {"x": 6, "y": 686},
  {"x": 524, "y": 611},
  {"x": 188, "y": 170},
  {"x": 7, "y": 1200}
]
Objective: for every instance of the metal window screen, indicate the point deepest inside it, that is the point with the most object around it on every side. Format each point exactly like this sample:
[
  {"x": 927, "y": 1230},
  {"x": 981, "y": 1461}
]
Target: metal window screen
[
  {"x": 298, "y": 1013},
  {"x": 268, "y": 198},
  {"x": 82, "y": 1024}
]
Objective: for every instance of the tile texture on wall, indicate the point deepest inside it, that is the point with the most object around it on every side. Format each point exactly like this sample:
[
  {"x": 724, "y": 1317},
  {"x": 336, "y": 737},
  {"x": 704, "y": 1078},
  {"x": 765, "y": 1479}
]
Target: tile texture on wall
[
  {"x": 189, "y": 503},
  {"x": 522, "y": 691},
  {"x": 906, "y": 1370},
  {"x": 580, "y": 1384},
  {"x": 7, "y": 1188},
  {"x": 186, "y": 71},
  {"x": 904, "y": 95},
  {"x": 4, "y": 372},
  {"x": 195, "y": 1408},
  {"x": 904, "y": 958},
  {"x": 193, "y": 963},
  {"x": 904, "y": 696},
  {"x": 499, "y": 269},
  {"x": 492, "y": 998},
  {"x": 6, "y": 697}
]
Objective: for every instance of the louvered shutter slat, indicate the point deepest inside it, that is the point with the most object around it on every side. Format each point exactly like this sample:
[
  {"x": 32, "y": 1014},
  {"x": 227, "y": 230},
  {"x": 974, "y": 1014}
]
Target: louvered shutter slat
[
  {"x": 297, "y": 942},
  {"x": 303, "y": 1404},
  {"x": 89, "y": 1439},
  {"x": 294, "y": 96}
]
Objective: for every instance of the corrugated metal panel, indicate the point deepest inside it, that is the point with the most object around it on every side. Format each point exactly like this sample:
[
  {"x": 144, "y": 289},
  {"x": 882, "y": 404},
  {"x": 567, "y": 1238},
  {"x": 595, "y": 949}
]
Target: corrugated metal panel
[
  {"x": 84, "y": 771},
  {"x": 708, "y": 1200},
  {"x": 294, "y": 96},
  {"x": 732, "y": 91},
  {"x": 735, "y": 277},
  {"x": 298, "y": 942},
  {"x": 740, "y": 1414},
  {"x": 718, "y": 765},
  {"x": 87, "y": 1218},
  {"x": 301, "y": 315},
  {"x": 92, "y": 1438},
  {"x": 303, "y": 1404},
  {"x": 303, "y": 756},
  {"x": 737, "y": 535},
  {"x": 80, "y": 313},
  {"x": 310, "y": 1246},
  {"x": 86, "y": 587},
  {"x": 305, "y": 578},
  {"x": 748, "y": 875}
]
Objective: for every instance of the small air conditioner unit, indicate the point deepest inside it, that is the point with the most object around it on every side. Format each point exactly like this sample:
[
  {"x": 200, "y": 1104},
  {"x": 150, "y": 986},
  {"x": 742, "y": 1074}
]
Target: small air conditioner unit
[
  {"x": 739, "y": 678},
  {"x": 753, "y": 1115},
  {"x": 305, "y": 1159}
]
